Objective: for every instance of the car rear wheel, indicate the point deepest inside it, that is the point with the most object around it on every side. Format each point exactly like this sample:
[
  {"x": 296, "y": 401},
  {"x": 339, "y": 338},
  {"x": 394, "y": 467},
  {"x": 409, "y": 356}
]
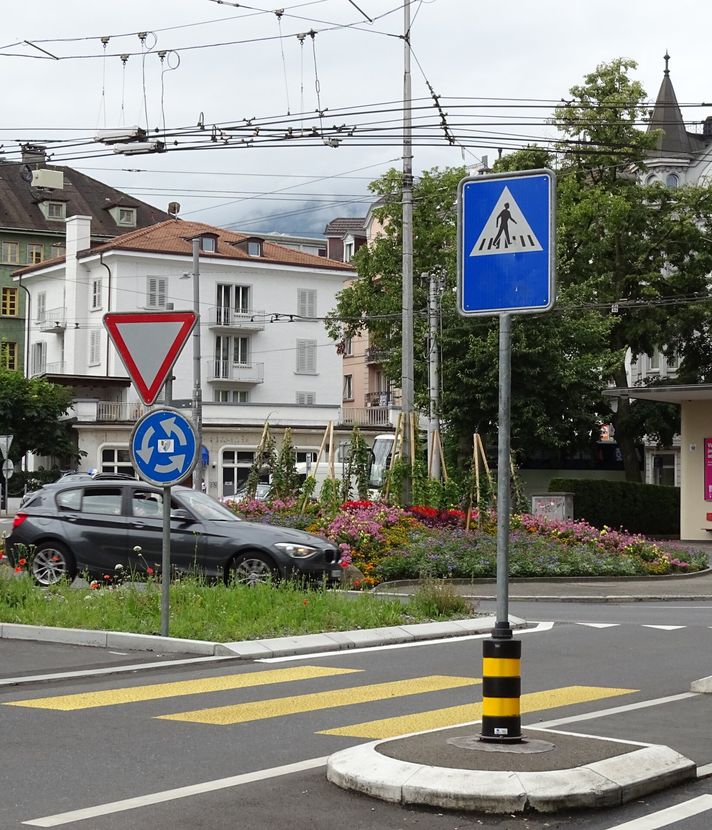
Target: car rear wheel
[
  {"x": 253, "y": 569},
  {"x": 52, "y": 563}
]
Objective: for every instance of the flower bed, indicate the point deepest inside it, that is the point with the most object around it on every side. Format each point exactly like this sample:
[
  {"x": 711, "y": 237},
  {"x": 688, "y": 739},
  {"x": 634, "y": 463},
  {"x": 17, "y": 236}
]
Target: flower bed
[{"x": 387, "y": 543}]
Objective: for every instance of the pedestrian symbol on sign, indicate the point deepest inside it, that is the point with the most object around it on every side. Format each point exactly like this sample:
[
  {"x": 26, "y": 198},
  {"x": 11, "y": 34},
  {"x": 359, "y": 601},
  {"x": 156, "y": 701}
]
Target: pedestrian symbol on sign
[{"x": 497, "y": 237}]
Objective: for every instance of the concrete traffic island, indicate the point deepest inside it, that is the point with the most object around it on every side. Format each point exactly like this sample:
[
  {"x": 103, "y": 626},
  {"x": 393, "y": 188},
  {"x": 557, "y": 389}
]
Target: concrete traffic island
[{"x": 548, "y": 771}]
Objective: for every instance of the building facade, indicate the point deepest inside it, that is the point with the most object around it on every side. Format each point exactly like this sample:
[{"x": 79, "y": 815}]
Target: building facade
[
  {"x": 265, "y": 354},
  {"x": 35, "y": 200}
]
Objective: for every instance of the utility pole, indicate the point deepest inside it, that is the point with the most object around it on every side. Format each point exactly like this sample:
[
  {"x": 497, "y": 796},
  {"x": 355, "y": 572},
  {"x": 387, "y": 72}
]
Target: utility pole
[
  {"x": 433, "y": 377},
  {"x": 197, "y": 387},
  {"x": 407, "y": 379}
]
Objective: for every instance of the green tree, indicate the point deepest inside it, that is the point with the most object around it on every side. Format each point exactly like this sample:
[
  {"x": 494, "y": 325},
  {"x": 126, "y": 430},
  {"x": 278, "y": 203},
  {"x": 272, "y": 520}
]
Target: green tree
[
  {"x": 285, "y": 481},
  {"x": 639, "y": 254},
  {"x": 31, "y": 410}
]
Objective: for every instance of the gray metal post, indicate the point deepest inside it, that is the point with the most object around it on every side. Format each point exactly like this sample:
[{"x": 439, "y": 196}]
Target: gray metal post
[
  {"x": 434, "y": 378},
  {"x": 166, "y": 561},
  {"x": 502, "y": 628},
  {"x": 197, "y": 387},
  {"x": 407, "y": 380}
]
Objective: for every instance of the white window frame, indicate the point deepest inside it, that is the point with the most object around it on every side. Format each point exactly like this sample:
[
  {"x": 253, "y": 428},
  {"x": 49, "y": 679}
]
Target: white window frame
[
  {"x": 126, "y": 217},
  {"x": 254, "y": 247},
  {"x": 243, "y": 300},
  {"x": 115, "y": 465},
  {"x": 39, "y": 357},
  {"x": 94, "y": 347},
  {"x": 241, "y": 351},
  {"x": 306, "y": 357},
  {"x": 348, "y": 391},
  {"x": 41, "y": 306},
  {"x": 56, "y": 211},
  {"x": 306, "y": 303},
  {"x": 156, "y": 292},
  {"x": 5, "y": 249}
]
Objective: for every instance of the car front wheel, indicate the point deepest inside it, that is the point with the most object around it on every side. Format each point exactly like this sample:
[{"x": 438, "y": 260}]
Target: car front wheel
[
  {"x": 52, "y": 563},
  {"x": 253, "y": 569}
]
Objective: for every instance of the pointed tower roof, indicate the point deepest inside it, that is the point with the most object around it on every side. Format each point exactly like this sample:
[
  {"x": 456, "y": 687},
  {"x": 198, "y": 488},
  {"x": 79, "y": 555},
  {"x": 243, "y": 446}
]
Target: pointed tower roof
[{"x": 674, "y": 140}]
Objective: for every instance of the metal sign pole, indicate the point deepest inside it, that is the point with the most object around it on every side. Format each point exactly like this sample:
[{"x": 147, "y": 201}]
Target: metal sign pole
[
  {"x": 166, "y": 561},
  {"x": 502, "y": 629}
]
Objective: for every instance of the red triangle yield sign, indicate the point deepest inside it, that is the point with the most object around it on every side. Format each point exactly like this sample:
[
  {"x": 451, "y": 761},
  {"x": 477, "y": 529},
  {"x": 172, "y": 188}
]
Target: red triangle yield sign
[{"x": 148, "y": 343}]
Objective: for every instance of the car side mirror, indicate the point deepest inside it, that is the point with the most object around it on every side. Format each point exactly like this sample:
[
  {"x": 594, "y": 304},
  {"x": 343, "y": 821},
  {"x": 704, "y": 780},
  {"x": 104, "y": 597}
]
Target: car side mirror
[{"x": 181, "y": 515}]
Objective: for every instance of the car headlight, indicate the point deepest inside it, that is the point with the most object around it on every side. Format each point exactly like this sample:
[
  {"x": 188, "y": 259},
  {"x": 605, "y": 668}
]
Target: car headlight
[{"x": 295, "y": 551}]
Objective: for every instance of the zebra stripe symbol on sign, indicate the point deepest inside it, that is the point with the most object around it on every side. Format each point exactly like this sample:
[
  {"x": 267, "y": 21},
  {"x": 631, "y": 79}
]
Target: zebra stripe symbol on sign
[{"x": 506, "y": 230}]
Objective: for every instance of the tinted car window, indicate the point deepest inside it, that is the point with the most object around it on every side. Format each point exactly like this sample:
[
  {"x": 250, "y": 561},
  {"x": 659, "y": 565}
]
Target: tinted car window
[
  {"x": 106, "y": 501},
  {"x": 206, "y": 507},
  {"x": 69, "y": 499},
  {"x": 145, "y": 503}
]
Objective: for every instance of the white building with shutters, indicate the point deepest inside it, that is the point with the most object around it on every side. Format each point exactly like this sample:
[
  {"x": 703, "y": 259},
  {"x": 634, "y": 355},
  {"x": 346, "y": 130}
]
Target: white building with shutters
[{"x": 265, "y": 354}]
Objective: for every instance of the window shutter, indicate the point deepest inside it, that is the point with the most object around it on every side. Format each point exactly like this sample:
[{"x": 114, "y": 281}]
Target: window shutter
[
  {"x": 306, "y": 357},
  {"x": 306, "y": 303},
  {"x": 94, "y": 345}
]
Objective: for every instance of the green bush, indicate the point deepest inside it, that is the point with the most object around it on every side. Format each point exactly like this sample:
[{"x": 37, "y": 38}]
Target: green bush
[{"x": 639, "y": 508}]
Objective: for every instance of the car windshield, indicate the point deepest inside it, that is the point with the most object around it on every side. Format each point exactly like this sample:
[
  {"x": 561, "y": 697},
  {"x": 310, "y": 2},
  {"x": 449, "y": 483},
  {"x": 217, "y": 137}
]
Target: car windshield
[{"x": 205, "y": 507}]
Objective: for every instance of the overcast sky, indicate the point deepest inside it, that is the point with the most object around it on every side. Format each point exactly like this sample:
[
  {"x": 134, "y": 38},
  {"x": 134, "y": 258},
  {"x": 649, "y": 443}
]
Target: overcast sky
[{"x": 225, "y": 64}]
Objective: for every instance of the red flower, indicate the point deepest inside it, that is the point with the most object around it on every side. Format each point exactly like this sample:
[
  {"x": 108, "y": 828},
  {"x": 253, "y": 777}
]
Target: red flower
[
  {"x": 306, "y": 602},
  {"x": 18, "y": 570},
  {"x": 149, "y": 571},
  {"x": 107, "y": 576},
  {"x": 22, "y": 561}
]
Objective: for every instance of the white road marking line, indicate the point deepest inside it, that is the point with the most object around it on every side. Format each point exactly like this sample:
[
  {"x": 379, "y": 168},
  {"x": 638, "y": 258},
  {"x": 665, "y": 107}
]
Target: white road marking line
[
  {"x": 347, "y": 652},
  {"x": 599, "y": 625},
  {"x": 704, "y": 771},
  {"x": 668, "y": 816},
  {"x": 172, "y": 795},
  {"x": 616, "y": 710},
  {"x": 664, "y": 627},
  {"x": 67, "y": 675}
]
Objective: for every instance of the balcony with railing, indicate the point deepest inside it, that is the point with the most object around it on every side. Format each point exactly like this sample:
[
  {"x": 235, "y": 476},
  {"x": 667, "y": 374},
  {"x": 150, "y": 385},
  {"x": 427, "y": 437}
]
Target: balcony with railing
[
  {"x": 54, "y": 319},
  {"x": 370, "y": 416},
  {"x": 225, "y": 370},
  {"x": 375, "y": 354},
  {"x": 119, "y": 410},
  {"x": 222, "y": 317},
  {"x": 387, "y": 398}
]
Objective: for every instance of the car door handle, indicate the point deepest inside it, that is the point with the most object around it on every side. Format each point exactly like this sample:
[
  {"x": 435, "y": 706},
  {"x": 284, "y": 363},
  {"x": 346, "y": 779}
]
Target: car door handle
[
  {"x": 70, "y": 518},
  {"x": 139, "y": 524}
]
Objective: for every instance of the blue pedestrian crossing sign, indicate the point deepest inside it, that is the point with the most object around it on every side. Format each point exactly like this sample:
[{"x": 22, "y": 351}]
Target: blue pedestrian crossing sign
[
  {"x": 506, "y": 243},
  {"x": 164, "y": 447}
]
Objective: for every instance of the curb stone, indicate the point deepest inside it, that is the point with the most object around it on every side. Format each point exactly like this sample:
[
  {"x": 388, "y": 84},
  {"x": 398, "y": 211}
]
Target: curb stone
[
  {"x": 256, "y": 649},
  {"x": 609, "y": 782}
]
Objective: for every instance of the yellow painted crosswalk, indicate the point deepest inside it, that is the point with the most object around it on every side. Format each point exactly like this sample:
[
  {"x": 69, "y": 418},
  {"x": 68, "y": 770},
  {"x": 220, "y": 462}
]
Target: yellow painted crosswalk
[
  {"x": 277, "y": 707},
  {"x": 419, "y": 712},
  {"x": 137, "y": 694},
  {"x": 454, "y": 715}
]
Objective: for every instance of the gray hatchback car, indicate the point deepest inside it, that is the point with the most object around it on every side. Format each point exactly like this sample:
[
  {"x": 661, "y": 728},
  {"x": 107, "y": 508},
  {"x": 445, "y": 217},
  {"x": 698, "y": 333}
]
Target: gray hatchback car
[{"x": 90, "y": 527}]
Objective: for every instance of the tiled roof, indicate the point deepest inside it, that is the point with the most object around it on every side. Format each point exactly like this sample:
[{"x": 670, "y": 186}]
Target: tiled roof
[
  {"x": 175, "y": 237},
  {"x": 343, "y": 225},
  {"x": 82, "y": 195}
]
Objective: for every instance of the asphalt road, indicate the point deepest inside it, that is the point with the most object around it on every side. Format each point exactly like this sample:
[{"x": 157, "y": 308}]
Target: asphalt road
[{"x": 250, "y": 738}]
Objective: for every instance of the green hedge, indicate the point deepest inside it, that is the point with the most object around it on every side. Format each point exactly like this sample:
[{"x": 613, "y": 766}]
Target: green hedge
[{"x": 640, "y": 508}]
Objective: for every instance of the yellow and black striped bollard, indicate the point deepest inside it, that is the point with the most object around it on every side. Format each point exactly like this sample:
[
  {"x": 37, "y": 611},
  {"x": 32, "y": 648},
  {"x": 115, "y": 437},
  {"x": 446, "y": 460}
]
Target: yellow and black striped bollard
[{"x": 501, "y": 691}]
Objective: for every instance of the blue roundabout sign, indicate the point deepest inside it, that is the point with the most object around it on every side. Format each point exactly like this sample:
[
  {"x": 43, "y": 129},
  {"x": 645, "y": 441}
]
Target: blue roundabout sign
[{"x": 164, "y": 447}]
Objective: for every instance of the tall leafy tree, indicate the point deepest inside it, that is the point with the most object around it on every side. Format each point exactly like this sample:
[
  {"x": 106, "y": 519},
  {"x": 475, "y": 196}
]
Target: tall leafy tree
[
  {"x": 639, "y": 254},
  {"x": 31, "y": 410}
]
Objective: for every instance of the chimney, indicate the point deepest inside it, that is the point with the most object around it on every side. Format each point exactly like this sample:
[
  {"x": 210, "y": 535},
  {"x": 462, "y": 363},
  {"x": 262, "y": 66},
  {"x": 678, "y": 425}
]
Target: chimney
[
  {"x": 78, "y": 235},
  {"x": 34, "y": 153}
]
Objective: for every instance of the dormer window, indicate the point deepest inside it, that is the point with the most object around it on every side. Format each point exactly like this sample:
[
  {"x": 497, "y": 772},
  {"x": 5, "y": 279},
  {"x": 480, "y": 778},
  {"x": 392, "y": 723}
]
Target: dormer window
[
  {"x": 208, "y": 244},
  {"x": 254, "y": 247},
  {"x": 127, "y": 216},
  {"x": 56, "y": 211}
]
